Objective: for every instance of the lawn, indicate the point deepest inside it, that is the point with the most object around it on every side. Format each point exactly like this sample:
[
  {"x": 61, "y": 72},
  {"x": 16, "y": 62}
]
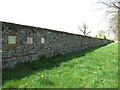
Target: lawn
[{"x": 93, "y": 68}]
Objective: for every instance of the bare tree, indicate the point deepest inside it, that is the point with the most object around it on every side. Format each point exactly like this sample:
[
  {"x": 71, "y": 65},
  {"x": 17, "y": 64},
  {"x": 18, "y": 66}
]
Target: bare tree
[
  {"x": 113, "y": 9},
  {"x": 111, "y": 3},
  {"x": 84, "y": 29},
  {"x": 113, "y": 23}
]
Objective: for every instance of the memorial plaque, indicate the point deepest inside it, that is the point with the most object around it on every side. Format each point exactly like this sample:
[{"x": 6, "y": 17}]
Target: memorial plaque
[
  {"x": 12, "y": 39},
  {"x": 42, "y": 40},
  {"x": 29, "y": 40}
]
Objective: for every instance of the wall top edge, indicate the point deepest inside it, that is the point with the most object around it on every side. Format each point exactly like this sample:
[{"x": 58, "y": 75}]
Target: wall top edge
[{"x": 9, "y": 23}]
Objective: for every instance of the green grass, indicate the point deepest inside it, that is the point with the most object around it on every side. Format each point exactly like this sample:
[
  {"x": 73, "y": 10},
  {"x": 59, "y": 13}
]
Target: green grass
[{"x": 94, "y": 68}]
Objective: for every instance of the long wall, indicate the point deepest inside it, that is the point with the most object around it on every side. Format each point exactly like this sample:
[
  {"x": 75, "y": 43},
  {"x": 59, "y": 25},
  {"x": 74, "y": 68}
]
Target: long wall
[{"x": 53, "y": 43}]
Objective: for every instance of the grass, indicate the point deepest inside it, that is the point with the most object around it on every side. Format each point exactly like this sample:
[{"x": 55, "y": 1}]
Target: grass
[{"x": 94, "y": 68}]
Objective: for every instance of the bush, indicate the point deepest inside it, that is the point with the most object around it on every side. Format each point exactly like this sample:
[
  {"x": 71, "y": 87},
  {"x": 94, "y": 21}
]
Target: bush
[
  {"x": 96, "y": 36},
  {"x": 104, "y": 37}
]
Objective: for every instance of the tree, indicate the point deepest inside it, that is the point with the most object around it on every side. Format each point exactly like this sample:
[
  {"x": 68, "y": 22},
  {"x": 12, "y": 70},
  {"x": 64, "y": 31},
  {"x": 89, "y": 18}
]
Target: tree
[
  {"x": 96, "y": 36},
  {"x": 113, "y": 9},
  {"x": 113, "y": 23},
  {"x": 104, "y": 37},
  {"x": 113, "y": 5},
  {"x": 84, "y": 29},
  {"x": 101, "y": 33}
]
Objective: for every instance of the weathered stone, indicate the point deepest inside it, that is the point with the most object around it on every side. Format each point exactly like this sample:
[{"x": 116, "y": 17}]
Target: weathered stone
[{"x": 56, "y": 42}]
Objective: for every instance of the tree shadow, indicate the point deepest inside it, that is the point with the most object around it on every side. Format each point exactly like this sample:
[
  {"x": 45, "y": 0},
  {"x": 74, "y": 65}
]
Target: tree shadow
[{"x": 26, "y": 69}]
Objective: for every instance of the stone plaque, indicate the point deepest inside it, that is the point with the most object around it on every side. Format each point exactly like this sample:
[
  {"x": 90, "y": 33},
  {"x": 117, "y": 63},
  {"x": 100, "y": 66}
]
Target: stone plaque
[
  {"x": 12, "y": 39},
  {"x": 29, "y": 40},
  {"x": 42, "y": 40}
]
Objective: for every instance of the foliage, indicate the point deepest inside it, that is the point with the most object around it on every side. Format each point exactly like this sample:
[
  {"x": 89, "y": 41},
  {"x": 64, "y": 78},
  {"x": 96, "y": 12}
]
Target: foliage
[
  {"x": 104, "y": 37},
  {"x": 96, "y": 36},
  {"x": 94, "y": 68},
  {"x": 101, "y": 33}
]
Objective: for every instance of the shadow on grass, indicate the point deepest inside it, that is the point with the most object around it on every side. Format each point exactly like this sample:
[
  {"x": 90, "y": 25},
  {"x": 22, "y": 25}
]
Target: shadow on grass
[{"x": 26, "y": 69}]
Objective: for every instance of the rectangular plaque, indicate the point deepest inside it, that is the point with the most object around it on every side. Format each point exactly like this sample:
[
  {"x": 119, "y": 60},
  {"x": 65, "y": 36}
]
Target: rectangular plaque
[
  {"x": 12, "y": 39},
  {"x": 42, "y": 40},
  {"x": 29, "y": 40}
]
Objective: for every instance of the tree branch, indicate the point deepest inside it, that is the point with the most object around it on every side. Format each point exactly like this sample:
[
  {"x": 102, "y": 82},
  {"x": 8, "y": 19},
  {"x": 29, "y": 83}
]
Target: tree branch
[
  {"x": 80, "y": 29},
  {"x": 116, "y": 6},
  {"x": 111, "y": 5},
  {"x": 88, "y": 32},
  {"x": 84, "y": 31}
]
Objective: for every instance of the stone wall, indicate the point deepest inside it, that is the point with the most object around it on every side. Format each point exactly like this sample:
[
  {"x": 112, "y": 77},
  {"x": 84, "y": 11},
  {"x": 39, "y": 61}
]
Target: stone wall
[
  {"x": 0, "y": 55},
  {"x": 56, "y": 42}
]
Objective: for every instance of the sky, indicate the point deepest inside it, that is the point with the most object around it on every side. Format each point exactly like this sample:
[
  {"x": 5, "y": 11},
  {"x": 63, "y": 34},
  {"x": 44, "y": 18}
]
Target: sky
[{"x": 60, "y": 15}]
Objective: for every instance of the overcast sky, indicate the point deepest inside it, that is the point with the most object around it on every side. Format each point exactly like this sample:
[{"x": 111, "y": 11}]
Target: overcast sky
[{"x": 61, "y": 15}]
